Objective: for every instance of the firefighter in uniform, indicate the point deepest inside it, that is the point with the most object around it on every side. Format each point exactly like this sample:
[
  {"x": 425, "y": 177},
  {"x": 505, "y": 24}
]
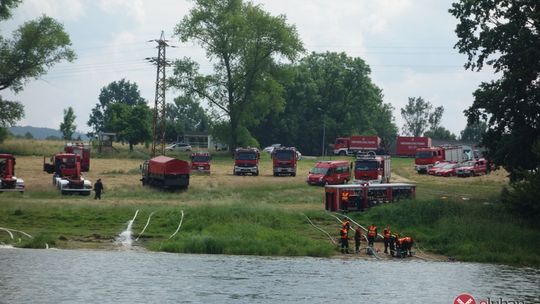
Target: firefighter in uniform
[
  {"x": 345, "y": 201},
  {"x": 357, "y": 238},
  {"x": 372, "y": 234},
  {"x": 346, "y": 224},
  {"x": 386, "y": 235},
  {"x": 344, "y": 234}
]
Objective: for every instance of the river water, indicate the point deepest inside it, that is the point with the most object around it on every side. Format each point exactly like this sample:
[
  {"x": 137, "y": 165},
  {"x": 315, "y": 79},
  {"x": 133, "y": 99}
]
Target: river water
[{"x": 78, "y": 276}]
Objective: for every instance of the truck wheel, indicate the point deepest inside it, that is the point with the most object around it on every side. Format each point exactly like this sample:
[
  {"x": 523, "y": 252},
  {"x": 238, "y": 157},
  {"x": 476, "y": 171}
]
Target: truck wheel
[
  {"x": 342, "y": 153},
  {"x": 275, "y": 173},
  {"x": 471, "y": 174},
  {"x": 293, "y": 174},
  {"x": 256, "y": 173}
]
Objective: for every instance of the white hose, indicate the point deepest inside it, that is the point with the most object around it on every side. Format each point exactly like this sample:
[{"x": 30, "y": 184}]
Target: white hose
[
  {"x": 19, "y": 231},
  {"x": 147, "y": 222},
  {"x": 177, "y": 229},
  {"x": 329, "y": 236},
  {"x": 9, "y": 232}
]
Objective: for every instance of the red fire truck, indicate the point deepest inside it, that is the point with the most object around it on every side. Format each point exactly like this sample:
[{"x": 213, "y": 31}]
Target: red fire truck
[
  {"x": 200, "y": 162},
  {"x": 246, "y": 160},
  {"x": 83, "y": 151},
  {"x": 8, "y": 180},
  {"x": 66, "y": 170},
  {"x": 406, "y": 146},
  {"x": 427, "y": 157},
  {"x": 371, "y": 168},
  {"x": 355, "y": 144},
  {"x": 284, "y": 161},
  {"x": 165, "y": 172}
]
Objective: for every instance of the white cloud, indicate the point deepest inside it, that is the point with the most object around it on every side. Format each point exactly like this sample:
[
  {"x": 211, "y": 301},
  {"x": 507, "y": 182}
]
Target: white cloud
[
  {"x": 133, "y": 8},
  {"x": 64, "y": 10}
]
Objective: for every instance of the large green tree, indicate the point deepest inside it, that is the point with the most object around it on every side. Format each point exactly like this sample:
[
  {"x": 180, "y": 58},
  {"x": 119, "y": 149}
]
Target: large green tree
[
  {"x": 185, "y": 115},
  {"x": 328, "y": 93},
  {"x": 244, "y": 43},
  {"x": 68, "y": 127},
  {"x": 420, "y": 116},
  {"x": 34, "y": 47},
  {"x": 474, "y": 132},
  {"x": 505, "y": 35},
  {"x": 440, "y": 133},
  {"x": 131, "y": 123},
  {"x": 116, "y": 92}
]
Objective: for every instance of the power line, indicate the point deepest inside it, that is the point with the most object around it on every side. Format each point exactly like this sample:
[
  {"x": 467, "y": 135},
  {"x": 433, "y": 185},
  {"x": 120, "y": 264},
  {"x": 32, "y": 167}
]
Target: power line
[{"x": 158, "y": 127}]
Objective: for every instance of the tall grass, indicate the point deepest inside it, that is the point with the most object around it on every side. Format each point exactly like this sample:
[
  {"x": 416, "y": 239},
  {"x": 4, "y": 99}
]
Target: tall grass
[
  {"x": 224, "y": 229},
  {"x": 468, "y": 231}
]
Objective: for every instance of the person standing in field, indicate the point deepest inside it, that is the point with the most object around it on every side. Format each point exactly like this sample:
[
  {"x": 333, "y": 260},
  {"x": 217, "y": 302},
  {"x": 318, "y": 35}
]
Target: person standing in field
[
  {"x": 372, "y": 234},
  {"x": 386, "y": 235},
  {"x": 357, "y": 238},
  {"x": 344, "y": 234},
  {"x": 98, "y": 188}
]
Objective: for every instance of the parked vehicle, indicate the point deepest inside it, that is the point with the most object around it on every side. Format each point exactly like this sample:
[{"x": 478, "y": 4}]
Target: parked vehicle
[
  {"x": 8, "y": 181},
  {"x": 83, "y": 151},
  {"x": 350, "y": 198},
  {"x": 329, "y": 173},
  {"x": 427, "y": 157},
  {"x": 433, "y": 170},
  {"x": 246, "y": 161},
  {"x": 448, "y": 169},
  {"x": 371, "y": 168},
  {"x": 67, "y": 177},
  {"x": 165, "y": 172},
  {"x": 200, "y": 162},
  {"x": 406, "y": 146},
  {"x": 356, "y": 144},
  {"x": 271, "y": 148},
  {"x": 284, "y": 161},
  {"x": 472, "y": 168},
  {"x": 178, "y": 147}
]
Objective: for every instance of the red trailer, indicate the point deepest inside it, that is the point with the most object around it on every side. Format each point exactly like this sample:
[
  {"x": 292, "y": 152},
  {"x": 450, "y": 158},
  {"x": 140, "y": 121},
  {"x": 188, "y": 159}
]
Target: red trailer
[
  {"x": 352, "y": 197},
  {"x": 165, "y": 172},
  {"x": 355, "y": 144},
  {"x": 406, "y": 146}
]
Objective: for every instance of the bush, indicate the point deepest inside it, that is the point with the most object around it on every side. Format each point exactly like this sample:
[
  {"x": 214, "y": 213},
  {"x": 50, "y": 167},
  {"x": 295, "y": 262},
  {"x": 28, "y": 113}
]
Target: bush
[{"x": 523, "y": 197}]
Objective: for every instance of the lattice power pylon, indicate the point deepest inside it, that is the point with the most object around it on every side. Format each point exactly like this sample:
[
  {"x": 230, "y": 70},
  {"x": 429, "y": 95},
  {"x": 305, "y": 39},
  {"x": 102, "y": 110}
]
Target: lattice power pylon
[{"x": 158, "y": 126}]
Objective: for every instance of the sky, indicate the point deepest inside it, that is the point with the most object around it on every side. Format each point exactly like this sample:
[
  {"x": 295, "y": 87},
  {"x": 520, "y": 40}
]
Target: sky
[{"x": 407, "y": 43}]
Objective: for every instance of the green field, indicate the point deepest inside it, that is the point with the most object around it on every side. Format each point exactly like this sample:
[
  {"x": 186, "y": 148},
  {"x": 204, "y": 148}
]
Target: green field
[{"x": 263, "y": 215}]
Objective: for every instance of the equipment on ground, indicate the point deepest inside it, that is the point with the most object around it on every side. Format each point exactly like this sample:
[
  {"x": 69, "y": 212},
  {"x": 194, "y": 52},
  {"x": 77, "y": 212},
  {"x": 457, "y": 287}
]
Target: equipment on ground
[
  {"x": 371, "y": 168},
  {"x": 66, "y": 170},
  {"x": 284, "y": 161},
  {"x": 246, "y": 161},
  {"x": 166, "y": 173},
  {"x": 8, "y": 181},
  {"x": 353, "y": 197}
]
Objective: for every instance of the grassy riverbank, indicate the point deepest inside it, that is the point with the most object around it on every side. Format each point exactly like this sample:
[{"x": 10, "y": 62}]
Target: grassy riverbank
[{"x": 261, "y": 215}]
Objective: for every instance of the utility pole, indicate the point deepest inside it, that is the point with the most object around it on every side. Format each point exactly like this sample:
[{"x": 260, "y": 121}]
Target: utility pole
[{"x": 158, "y": 126}]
